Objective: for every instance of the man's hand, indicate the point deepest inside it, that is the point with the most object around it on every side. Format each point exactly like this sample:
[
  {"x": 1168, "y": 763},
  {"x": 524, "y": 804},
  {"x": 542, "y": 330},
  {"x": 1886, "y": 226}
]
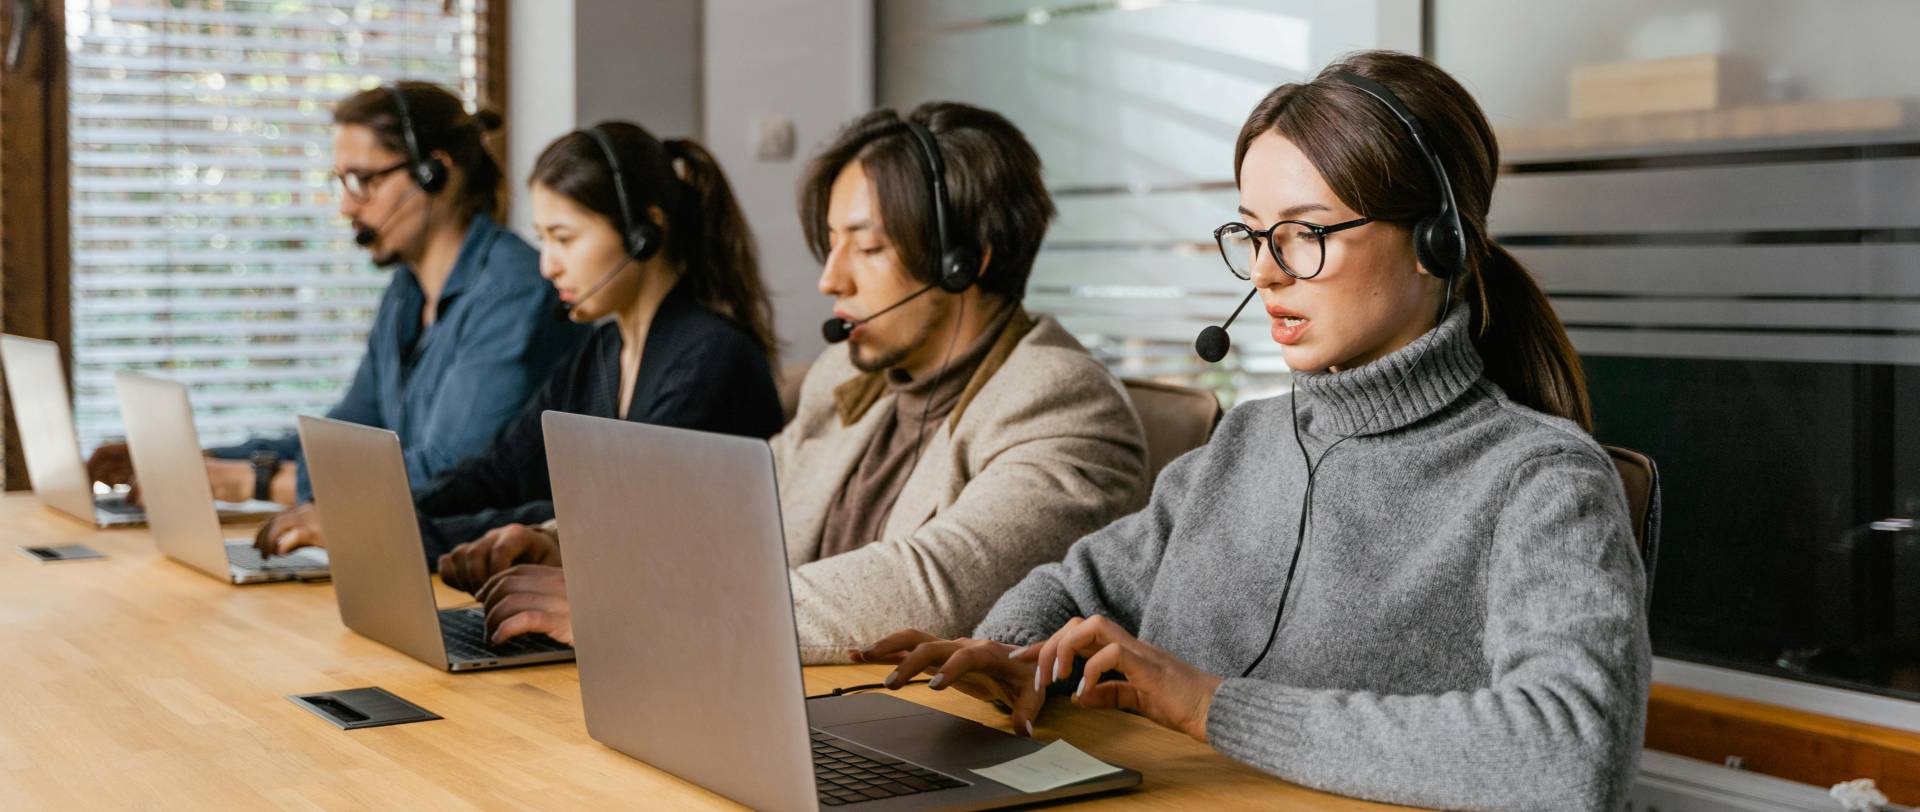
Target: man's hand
[
  {"x": 112, "y": 464},
  {"x": 290, "y": 530},
  {"x": 231, "y": 480}
]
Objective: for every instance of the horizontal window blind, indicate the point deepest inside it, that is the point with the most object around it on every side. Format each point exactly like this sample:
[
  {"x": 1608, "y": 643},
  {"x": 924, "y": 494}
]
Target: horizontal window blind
[{"x": 206, "y": 243}]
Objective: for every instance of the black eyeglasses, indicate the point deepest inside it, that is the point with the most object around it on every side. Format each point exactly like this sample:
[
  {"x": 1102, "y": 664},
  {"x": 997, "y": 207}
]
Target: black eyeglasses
[
  {"x": 358, "y": 185},
  {"x": 1300, "y": 246}
]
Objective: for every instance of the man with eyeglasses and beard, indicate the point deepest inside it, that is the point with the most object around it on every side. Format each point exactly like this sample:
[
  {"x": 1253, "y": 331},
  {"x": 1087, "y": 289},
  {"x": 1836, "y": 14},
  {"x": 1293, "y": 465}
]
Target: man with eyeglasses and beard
[{"x": 466, "y": 329}]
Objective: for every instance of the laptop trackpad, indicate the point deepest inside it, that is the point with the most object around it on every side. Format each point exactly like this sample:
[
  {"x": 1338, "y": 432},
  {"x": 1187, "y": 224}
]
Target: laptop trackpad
[{"x": 917, "y": 733}]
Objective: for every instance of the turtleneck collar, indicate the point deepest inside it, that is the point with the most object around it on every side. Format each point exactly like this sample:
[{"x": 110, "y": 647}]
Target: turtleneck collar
[{"x": 1400, "y": 389}]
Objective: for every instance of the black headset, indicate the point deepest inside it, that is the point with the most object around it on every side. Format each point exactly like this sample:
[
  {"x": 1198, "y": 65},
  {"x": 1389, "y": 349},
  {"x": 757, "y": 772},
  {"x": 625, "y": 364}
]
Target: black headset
[
  {"x": 1439, "y": 240},
  {"x": 430, "y": 175},
  {"x": 1440, "y": 244},
  {"x": 640, "y": 235},
  {"x": 959, "y": 261}
]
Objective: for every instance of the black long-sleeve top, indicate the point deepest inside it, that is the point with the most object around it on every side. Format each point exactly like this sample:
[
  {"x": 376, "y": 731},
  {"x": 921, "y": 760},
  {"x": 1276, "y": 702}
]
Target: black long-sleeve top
[{"x": 698, "y": 371}]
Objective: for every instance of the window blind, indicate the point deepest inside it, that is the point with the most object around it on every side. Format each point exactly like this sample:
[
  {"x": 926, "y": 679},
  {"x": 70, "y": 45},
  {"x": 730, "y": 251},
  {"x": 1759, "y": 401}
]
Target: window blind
[{"x": 206, "y": 244}]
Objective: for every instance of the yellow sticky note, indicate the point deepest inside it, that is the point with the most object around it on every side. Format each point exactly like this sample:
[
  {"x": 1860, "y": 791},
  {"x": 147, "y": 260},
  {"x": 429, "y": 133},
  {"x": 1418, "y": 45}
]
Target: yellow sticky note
[{"x": 1055, "y": 765}]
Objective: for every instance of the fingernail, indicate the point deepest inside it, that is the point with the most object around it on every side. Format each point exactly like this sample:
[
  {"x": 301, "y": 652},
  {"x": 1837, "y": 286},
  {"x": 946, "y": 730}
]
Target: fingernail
[
  {"x": 937, "y": 681},
  {"x": 1077, "y": 692},
  {"x": 1029, "y": 724},
  {"x": 1015, "y": 654},
  {"x": 892, "y": 677},
  {"x": 1039, "y": 679}
]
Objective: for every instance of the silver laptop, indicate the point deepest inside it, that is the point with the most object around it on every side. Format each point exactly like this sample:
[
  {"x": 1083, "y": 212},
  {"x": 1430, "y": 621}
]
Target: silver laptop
[
  {"x": 683, "y": 621},
  {"x": 379, "y": 565},
  {"x": 37, "y": 384},
  {"x": 173, "y": 476}
]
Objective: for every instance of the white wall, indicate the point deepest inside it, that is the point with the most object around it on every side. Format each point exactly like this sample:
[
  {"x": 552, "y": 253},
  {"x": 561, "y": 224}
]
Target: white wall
[
  {"x": 810, "y": 61},
  {"x": 540, "y": 91},
  {"x": 639, "y": 60},
  {"x": 575, "y": 62}
]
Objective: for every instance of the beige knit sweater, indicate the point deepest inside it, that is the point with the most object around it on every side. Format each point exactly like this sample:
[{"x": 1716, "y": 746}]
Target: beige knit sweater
[{"x": 1043, "y": 448}]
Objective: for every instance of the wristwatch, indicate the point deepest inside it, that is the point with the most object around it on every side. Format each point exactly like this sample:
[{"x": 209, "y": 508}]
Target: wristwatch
[{"x": 265, "y": 465}]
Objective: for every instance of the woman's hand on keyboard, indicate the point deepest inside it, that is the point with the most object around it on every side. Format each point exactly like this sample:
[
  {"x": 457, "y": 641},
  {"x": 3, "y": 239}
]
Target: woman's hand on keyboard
[
  {"x": 469, "y": 565},
  {"x": 982, "y": 669},
  {"x": 525, "y": 599}
]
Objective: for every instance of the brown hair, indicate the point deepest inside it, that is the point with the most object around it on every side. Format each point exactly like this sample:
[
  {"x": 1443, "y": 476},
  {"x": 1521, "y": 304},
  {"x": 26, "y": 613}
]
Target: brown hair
[
  {"x": 441, "y": 123},
  {"x": 706, "y": 233},
  {"x": 996, "y": 195},
  {"x": 1369, "y": 159}
]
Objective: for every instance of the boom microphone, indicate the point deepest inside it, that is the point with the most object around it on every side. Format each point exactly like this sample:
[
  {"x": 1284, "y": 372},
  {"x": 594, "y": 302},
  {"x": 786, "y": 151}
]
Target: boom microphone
[
  {"x": 836, "y": 330},
  {"x": 566, "y": 308},
  {"x": 1212, "y": 343},
  {"x": 364, "y": 236}
]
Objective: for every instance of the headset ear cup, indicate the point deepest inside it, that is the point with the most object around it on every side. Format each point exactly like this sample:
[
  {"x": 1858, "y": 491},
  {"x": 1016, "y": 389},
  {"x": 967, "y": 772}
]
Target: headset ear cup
[
  {"x": 1435, "y": 247},
  {"x": 959, "y": 269},
  {"x": 431, "y": 175},
  {"x": 643, "y": 241}
]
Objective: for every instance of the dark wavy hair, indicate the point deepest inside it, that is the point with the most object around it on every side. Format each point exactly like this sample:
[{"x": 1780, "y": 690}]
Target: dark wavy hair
[
  {"x": 441, "y": 123},
  {"x": 999, "y": 200}
]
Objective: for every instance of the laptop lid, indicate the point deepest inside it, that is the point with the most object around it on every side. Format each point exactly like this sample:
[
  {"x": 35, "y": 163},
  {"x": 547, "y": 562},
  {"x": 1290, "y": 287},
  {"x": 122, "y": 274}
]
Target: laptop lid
[
  {"x": 379, "y": 566},
  {"x": 172, "y": 472},
  {"x": 682, "y": 617},
  {"x": 37, "y": 385}
]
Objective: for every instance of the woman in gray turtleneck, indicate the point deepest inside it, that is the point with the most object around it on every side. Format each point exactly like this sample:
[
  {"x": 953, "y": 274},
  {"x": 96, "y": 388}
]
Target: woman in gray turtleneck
[{"x": 1412, "y": 579}]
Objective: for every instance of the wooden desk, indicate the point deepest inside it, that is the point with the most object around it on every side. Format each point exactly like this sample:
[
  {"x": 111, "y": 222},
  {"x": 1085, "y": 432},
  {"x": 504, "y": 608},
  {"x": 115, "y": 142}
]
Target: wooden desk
[{"x": 138, "y": 682}]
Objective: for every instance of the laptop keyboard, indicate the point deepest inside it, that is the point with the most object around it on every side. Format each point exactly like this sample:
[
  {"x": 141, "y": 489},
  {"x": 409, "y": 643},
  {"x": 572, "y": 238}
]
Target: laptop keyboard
[
  {"x": 246, "y": 557},
  {"x": 118, "y": 506},
  {"x": 465, "y": 631},
  {"x": 845, "y": 777}
]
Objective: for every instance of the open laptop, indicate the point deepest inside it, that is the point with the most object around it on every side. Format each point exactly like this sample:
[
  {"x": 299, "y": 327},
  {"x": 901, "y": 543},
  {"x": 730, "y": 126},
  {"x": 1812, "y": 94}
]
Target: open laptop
[
  {"x": 173, "y": 476},
  {"x": 683, "y": 620},
  {"x": 37, "y": 384},
  {"x": 379, "y": 565}
]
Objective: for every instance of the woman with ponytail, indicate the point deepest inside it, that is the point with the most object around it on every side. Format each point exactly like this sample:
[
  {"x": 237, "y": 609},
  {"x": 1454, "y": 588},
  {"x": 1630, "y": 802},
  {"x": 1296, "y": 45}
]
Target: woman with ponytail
[
  {"x": 643, "y": 239},
  {"x": 1411, "y": 579}
]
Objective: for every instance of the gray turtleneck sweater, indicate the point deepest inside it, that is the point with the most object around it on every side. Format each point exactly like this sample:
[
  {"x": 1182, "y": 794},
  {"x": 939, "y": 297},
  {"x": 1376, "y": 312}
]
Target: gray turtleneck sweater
[{"x": 1466, "y": 627}]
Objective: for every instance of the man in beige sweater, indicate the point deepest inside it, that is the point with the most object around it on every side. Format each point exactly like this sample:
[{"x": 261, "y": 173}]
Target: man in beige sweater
[{"x": 952, "y": 444}]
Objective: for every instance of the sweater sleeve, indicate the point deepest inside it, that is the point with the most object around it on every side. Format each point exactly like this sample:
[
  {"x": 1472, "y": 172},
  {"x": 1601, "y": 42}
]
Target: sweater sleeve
[
  {"x": 1109, "y": 572},
  {"x": 1565, "y": 642},
  {"x": 1064, "y": 465}
]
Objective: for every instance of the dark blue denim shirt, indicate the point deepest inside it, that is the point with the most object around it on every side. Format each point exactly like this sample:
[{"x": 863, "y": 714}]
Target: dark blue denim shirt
[{"x": 446, "y": 389}]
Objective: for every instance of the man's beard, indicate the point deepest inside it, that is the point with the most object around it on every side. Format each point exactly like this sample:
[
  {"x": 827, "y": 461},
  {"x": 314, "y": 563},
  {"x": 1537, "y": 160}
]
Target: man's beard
[
  {"x": 386, "y": 259},
  {"x": 892, "y": 357}
]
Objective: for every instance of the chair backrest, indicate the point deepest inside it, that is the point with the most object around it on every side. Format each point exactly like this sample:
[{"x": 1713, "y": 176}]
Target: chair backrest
[
  {"x": 1177, "y": 419},
  {"x": 790, "y": 379},
  {"x": 1641, "y": 478}
]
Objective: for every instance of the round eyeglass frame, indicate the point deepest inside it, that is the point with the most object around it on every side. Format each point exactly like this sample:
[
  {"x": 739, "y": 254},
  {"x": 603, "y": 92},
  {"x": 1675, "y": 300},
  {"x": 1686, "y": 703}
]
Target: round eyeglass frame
[
  {"x": 359, "y": 185},
  {"x": 1319, "y": 232}
]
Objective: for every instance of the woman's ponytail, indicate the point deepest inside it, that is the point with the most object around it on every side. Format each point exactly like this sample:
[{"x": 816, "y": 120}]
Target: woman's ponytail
[
  {"x": 723, "y": 266},
  {"x": 1521, "y": 340}
]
